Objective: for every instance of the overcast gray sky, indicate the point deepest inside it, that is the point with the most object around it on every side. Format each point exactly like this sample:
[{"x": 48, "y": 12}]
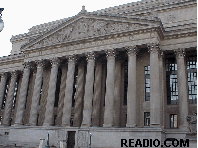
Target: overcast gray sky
[{"x": 20, "y": 15}]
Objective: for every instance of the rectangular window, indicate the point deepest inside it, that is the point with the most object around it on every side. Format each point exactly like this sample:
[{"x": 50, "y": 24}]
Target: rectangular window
[
  {"x": 55, "y": 117},
  {"x": 171, "y": 81},
  {"x": 173, "y": 121},
  {"x": 192, "y": 78},
  {"x": 0, "y": 120},
  {"x": 146, "y": 118},
  {"x": 147, "y": 83}
]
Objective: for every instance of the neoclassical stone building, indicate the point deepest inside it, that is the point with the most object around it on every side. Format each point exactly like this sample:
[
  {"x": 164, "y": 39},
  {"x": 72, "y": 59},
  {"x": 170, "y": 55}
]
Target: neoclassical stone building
[{"x": 125, "y": 72}]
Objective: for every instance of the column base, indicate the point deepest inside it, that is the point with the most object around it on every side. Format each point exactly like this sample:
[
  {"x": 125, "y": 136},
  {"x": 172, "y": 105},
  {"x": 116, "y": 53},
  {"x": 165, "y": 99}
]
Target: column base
[
  {"x": 85, "y": 125},
  {"x": 31, "y": 124},
  {"x": 107, "y": 125},
  {"x": 131, "y": 125},
  {"x": 18, "y": 124},
  {"x": 65, "y": 125},
  {"x": 46, "y": 124}
]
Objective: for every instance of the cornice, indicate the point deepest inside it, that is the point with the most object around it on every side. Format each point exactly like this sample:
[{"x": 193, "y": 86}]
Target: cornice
[
  {"x": 12, "y": 58},
  {"x": 144, "y": 5}
]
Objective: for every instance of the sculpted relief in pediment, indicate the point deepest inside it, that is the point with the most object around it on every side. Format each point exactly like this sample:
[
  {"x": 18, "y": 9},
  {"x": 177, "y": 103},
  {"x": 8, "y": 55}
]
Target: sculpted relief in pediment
[{"x": 86, "y": 28}]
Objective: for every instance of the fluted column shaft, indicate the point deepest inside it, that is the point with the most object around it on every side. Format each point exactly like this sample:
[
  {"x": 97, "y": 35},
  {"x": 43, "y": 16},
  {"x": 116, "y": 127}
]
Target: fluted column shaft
[
  {"x": 61, "y": 96},
  {"x": 87, "y": 110},
  {"x": 2, "y": 87},
  {"x": 22, "y": 95},
  {"x": 68, "y": 92},
  {"x": 117, "y": 93},
  {"x": 9, "y": 100},
  {"x": 162, "y": 99},
  {"x": 36, "y": 93},
  {"x": 97, "y": 95},
  {"x": 131, "y": 93},
  {"x": 155, "y": 86},
  {"x": 51, "y": 93},
  {"x": 182, "y": 89},
  {"x": 78, "y": 107},
  {"x": 109, "y": 96}
]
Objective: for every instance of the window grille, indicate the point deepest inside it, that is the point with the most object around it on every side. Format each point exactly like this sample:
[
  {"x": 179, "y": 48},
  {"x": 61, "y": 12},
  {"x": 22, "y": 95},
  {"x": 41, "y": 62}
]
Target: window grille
[
  {"x": 147, "y": 83},
  {"x": 146, "y": 118},
  {"x": 192, "y": 79},
  {"x": 173, "y": 121},
  {"x": 171, "y": 77}
]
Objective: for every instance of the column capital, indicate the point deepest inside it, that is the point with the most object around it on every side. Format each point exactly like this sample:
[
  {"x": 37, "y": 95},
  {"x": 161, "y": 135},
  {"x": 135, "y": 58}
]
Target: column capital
[
  {"x": 14, "y": 74},
  {"x": 27, "y": 65},
  {"x": 180, "y": 53},
  {"x": 71, "y": 58},
  {"x": 40, "y": 63},
  {"x": 161, "y": 55},
  {"x": 90, "y": 56},
  {"x": 3, "y": 74},
  {"x": 110, "y": 53},
  {"x": 54, "y": 61},
  {"x": 132, "y": 50},
  {"x": 153, "y": 47}
]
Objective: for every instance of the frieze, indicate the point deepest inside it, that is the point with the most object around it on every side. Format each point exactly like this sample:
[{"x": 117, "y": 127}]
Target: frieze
[{"x": 87, "y": 28}]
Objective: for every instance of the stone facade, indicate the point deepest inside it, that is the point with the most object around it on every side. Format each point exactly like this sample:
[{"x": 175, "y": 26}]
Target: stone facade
[{"x": 104, "y": 77}]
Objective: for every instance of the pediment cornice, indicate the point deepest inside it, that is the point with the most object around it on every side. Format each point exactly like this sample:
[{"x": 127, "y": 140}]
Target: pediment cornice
[{"x": 88, "y": 26}]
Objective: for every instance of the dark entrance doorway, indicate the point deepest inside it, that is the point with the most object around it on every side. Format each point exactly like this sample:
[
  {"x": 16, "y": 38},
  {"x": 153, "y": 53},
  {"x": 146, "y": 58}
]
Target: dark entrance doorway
[{"x": 71, "y": 139}]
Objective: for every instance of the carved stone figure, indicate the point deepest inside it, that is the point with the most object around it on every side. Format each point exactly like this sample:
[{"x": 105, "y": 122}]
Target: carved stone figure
[{"x": 192, "y": 123}]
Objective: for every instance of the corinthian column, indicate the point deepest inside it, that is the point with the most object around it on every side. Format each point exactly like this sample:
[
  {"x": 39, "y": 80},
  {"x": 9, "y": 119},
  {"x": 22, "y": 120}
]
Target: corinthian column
[
  {"x": 78, "y": 107},
  {"x": 109, "y": 96},
  {"x": 88, "y": 90},
  {"x": 51, "y": 93},
  {"x": 36, "y": 93},
  {"x": 117, "y": 93},
  {"x": 97, "y": 95},
  {"x": 155, "y": 85},
  {"x": 2, "y": 87},
  {"x": 131, "y": 93},
  {"x": 182, "y": 88},
  {"x": 9, "y": 100},
  {"x": 61, "y": 95},
  {"x": 68, "y": 91},
  {"x": 23, "y": 94}
]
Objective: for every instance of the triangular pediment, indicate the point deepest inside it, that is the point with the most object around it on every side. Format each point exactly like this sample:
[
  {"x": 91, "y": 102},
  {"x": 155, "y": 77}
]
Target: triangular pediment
[{"x": 89, "y": 26}]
